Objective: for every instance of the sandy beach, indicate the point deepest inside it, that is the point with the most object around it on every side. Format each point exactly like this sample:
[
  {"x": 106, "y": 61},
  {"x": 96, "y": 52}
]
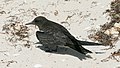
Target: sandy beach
[{"x": 78, "y": 16}]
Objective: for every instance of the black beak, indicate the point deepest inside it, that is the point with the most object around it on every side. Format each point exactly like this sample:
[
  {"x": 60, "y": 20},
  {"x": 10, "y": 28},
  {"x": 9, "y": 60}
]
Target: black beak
[{"x": 31, "y": 23}]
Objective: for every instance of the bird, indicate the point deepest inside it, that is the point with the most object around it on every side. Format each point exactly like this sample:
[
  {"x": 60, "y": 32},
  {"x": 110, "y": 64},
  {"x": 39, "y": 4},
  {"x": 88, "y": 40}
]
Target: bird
[{"x": 52, "y": 35}]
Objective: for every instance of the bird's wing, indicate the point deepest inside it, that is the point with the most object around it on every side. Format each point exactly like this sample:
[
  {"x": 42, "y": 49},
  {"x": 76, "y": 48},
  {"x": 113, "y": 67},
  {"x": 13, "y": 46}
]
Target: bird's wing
[
  {"x": 49, "y": 42},
  {"x": 46, "y": 38},
  {"x": 57, "y": 33},
  {"x": 75, "y": 44},
  {"x": 60, "y": 36}
]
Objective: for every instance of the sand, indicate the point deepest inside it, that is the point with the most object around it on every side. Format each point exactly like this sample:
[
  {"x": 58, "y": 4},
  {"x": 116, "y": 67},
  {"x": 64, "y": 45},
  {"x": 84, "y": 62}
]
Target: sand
[{"x": 78, "y": 16}]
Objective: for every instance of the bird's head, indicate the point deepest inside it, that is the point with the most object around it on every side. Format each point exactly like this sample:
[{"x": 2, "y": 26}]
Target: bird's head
[{"x": 40, "y": 20}]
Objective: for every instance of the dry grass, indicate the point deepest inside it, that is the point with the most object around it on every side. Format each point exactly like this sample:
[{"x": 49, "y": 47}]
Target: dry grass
[
  {"x": 16, "y": 31},
  {"x": 109, "y": 32},
  {"x": 114, "y": 56}
]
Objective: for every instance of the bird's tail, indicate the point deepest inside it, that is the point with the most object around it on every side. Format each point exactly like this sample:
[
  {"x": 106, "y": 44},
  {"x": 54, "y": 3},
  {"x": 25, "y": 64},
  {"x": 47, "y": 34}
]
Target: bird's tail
[
  {"x": 88, "y": 43},
  {"x": 84, "y": 51},
  {"x": 79, "y": 48}
]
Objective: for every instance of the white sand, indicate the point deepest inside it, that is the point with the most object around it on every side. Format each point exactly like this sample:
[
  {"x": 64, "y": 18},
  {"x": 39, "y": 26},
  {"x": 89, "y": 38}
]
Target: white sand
[{"x": 22, "y": 57}]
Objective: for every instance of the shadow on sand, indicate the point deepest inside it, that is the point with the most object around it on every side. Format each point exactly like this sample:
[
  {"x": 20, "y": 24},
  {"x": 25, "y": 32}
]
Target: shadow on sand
[{"x": 64, "y": 50}]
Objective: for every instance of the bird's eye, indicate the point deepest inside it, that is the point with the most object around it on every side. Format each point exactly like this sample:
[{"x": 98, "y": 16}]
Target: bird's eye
[{"x": 36, "y": 20}]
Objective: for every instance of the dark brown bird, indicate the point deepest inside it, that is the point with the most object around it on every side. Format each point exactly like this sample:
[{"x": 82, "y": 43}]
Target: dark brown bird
[{"x": 52, "y": 35}]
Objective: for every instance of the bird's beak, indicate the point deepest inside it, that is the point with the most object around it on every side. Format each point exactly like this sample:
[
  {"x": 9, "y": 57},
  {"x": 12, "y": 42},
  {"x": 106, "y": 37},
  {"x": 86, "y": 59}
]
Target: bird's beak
[{"x": 31, "y": 23}]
